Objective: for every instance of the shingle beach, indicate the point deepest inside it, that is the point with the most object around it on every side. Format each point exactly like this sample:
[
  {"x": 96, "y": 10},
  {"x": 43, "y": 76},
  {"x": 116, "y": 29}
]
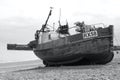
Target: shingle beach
[{"x": 110, "y": 71}]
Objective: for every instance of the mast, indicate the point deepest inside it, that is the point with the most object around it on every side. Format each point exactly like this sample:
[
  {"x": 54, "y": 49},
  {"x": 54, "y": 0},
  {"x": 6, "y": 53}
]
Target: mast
[
  {"x": 44, "y": 25},
  {"x": 59, "y": 17}
]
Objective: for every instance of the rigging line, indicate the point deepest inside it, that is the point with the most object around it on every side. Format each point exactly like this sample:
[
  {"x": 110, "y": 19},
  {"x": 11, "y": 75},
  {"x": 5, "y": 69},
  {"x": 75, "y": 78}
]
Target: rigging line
[
  {"x": 115, "y": 38},
  {"x": 60, "y": 15},
  {"x": 117, "y": 43}
]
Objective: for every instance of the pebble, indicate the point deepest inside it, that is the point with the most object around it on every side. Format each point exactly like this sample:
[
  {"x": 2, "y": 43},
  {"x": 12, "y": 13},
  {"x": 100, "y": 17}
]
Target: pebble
[{"x": 110, "y": 71}]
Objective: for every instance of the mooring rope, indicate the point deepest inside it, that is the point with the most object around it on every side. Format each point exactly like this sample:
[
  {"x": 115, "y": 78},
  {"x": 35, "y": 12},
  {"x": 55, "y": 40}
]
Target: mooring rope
[{"x": 117, "y": 42}]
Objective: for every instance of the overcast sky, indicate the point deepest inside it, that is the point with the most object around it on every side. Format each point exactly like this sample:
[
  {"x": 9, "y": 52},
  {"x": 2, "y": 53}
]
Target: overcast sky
[{"x": 19, "y": 19}]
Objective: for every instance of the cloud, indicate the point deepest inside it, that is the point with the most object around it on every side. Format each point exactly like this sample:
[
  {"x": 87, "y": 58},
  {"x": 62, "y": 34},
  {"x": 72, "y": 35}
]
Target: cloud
[{"x": 12, "y": 29}]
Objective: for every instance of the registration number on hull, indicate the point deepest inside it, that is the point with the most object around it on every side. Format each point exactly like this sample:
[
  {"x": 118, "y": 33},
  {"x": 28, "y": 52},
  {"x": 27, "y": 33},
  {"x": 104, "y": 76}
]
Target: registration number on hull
[{"x": 90, "y": 34}]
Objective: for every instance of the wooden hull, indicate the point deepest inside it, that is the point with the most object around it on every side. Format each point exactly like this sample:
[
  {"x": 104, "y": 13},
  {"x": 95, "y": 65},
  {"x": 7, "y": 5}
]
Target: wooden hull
[{"x": 77, "y": 50}]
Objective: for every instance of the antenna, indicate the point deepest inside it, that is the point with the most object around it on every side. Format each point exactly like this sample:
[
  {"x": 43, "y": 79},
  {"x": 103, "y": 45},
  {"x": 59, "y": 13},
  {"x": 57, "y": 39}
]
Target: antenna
[
  {"x": 59, "y": 17},
  {"x": 60, "y": 14},
  {"x": 53, "y": 26}
]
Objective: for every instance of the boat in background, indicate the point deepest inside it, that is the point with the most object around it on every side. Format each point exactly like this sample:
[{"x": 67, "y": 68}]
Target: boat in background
[{"x": 91, "y": 44}]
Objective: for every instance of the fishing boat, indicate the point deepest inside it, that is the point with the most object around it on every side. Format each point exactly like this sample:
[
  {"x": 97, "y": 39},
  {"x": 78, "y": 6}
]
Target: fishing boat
[{"x": 91, "y": 44}]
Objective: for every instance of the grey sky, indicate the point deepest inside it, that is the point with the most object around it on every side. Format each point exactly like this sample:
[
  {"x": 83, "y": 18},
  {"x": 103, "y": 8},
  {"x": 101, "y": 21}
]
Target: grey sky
[{"x": 19, "y": 19}]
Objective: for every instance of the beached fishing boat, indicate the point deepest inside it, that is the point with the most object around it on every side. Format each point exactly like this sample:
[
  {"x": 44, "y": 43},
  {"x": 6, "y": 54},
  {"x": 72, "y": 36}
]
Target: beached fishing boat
[{"x": 90, "y": 44}]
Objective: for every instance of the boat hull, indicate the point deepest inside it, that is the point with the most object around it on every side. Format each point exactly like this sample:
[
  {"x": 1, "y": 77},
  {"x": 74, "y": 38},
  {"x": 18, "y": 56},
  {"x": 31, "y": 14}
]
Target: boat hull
[
  {"x": 80, "y": 59},
  {"x": 77, "y": 50}
]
